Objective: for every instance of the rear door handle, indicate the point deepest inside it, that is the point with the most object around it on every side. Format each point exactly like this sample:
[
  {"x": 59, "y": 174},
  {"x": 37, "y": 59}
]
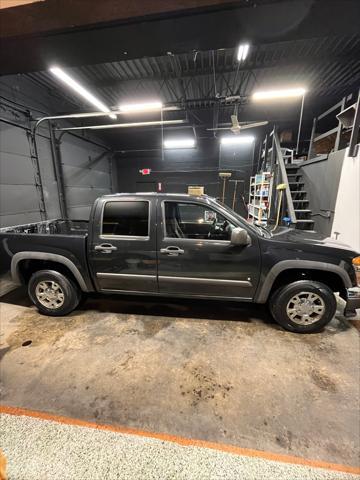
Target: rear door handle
[
  {"x": 172, "y": 251},
  {"x": 105, "y": 248}
]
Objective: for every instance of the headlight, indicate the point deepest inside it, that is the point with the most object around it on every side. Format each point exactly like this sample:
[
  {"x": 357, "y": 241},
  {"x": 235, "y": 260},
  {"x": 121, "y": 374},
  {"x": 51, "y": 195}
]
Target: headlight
[{"x": 356, "y": 263}]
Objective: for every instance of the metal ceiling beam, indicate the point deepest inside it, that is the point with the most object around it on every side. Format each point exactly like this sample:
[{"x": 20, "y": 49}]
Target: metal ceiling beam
[
  {"x": 210, "y": 29},
  {"x": 343, "y": 60},
  {"x": 49, "y": 16}
]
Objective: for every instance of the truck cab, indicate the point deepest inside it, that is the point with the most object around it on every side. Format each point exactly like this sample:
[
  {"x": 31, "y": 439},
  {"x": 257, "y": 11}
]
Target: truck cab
[{"x": 172, "y": 245}]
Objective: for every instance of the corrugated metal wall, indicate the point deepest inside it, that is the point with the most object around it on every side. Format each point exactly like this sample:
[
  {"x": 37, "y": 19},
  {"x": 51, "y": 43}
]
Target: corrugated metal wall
[
  {"x": 87, "y": 174},
  {"x": 86, "y": 165},
  {"x": 19, "y": 196}
]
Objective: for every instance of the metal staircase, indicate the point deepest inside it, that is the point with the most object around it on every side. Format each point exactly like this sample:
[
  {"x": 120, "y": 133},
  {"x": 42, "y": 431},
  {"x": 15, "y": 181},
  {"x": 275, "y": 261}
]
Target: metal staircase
[
  {"x": 279, "y": 161},
  {"x": 300, "y": 198}
]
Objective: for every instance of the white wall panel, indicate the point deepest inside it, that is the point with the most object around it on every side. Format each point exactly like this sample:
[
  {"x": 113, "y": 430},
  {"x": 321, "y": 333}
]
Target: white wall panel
[{"x": 346, "y": 225}]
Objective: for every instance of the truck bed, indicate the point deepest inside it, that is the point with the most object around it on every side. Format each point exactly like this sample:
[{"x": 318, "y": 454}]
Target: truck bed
[
  {"x": 65, "y": 238},
  {"x": 51, "y": 227}
]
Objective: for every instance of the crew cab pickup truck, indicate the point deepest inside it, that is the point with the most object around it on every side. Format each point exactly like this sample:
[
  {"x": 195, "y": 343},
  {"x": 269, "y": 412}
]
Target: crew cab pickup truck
[{"x": 182, "y": 246}]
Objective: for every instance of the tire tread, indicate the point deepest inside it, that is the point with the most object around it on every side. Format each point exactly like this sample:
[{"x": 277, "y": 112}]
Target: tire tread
[
  {"x": 71, "y": 290},
  {"x": 281, "y": 296}
]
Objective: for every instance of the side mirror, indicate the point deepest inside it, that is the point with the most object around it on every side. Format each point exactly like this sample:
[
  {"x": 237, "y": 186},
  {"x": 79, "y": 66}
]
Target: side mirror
[{"x": 239, "y": 236}]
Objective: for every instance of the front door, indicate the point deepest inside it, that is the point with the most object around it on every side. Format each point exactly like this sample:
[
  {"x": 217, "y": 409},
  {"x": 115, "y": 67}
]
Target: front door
[
  {"x": 123, "y": 252},
  {"x": 196, "y": 256}
]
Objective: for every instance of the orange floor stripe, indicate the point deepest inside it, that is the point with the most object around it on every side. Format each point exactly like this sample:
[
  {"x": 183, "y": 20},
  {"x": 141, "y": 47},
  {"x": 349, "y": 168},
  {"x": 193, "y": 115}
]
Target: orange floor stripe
[
  {"x": 181, "y": 440},
  {"x": 355, "y": 323}
]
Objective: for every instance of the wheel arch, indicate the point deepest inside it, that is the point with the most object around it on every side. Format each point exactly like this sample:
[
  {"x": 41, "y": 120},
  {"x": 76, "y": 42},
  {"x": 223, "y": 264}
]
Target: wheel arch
[
  {"x": 330, "y": 274},
  {"x": 18, "y": 260}
]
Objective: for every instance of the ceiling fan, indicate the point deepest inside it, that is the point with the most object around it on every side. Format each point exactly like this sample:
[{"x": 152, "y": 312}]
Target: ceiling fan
[{"x": 237, "y": 126}]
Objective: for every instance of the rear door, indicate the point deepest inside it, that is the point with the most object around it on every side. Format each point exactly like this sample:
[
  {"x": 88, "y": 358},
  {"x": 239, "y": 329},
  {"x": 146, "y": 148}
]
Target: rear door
[
  {"x": 196, "y": 256},
  {"x": 122, "y": 250}
]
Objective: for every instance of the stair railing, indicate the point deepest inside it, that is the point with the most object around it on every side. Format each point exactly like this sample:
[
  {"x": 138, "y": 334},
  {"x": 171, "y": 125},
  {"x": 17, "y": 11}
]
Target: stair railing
[{"x": 284, "y": 177}]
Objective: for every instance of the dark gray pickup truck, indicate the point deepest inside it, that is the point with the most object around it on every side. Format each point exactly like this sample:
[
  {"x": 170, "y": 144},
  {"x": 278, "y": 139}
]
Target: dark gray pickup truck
[{"x": 182, "y": 246}]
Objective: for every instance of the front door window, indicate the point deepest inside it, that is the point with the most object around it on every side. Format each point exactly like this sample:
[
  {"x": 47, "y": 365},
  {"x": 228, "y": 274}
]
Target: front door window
[{"x": 199, "y": 222}]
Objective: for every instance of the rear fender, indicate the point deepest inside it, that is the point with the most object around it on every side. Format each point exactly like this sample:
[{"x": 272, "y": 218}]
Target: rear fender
[{"x": 53, "y": 257}]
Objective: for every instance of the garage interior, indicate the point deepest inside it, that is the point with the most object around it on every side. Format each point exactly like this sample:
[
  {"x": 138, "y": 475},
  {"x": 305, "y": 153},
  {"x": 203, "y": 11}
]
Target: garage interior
[{"x": 146, "y": 387}]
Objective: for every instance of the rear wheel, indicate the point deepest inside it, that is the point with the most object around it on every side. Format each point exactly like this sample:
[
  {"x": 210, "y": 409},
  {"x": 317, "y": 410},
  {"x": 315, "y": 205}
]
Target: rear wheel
[
  {"x": 53, "y": 293},
  {"x": 303, "y": 306}
]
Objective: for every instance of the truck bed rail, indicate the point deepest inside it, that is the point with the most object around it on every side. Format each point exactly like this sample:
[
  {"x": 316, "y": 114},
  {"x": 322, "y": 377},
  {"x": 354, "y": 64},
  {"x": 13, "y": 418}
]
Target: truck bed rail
[{"x": 55, "y": 226}]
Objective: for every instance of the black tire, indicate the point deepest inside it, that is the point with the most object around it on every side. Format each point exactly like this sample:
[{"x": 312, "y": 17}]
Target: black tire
[
  {"x": 68, "y": 294},
  {"x": 280, "y": 300}
]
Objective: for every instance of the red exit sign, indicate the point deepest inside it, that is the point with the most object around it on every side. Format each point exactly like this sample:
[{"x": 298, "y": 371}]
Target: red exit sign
[{"x": 145, "y": 171}]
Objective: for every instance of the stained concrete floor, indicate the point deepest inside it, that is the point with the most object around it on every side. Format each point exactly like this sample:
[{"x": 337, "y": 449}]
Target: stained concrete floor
[{"x": 206, "y": 370}]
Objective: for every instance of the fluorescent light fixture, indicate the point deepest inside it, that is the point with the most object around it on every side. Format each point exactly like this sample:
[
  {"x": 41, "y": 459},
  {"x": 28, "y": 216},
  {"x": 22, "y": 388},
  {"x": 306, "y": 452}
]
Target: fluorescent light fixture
[
  {"x": 243, "y": 51},
  {"x": 180, "y": 143},
  {"x": 70, "y": 82},
  {"x": 273, "y": 94},
  {"x": 140, "y": 107},
  {"x": 237, "y": 140}
]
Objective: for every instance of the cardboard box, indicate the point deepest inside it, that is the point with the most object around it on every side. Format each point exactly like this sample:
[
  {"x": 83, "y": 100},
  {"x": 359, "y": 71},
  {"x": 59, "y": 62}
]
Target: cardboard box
[{"x": 195, "y": 190}]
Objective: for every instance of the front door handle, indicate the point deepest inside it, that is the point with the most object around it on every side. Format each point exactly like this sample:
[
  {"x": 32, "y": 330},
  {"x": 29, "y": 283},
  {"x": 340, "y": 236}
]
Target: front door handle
[
  {"x": 105, "y": 248},
  {"x": 172, "y": 251}
]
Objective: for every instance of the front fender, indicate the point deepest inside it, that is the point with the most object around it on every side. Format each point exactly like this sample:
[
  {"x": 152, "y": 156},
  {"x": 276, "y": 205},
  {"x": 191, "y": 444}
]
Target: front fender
[{"x": 263, "y": 291}]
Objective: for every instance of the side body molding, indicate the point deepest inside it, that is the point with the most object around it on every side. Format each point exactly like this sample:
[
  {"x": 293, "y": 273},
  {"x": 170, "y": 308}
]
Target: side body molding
[
  {"x": 18, "y": 257},
  {"x": 264, "y": 290}
]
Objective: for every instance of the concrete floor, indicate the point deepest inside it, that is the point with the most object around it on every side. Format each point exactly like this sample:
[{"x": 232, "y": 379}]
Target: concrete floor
[{"x": 206, "y": 370}]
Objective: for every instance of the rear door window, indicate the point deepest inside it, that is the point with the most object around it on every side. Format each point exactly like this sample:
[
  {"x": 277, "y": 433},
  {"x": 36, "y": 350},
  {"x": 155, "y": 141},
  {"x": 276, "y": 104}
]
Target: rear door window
[{"x": 126, "y": 219}]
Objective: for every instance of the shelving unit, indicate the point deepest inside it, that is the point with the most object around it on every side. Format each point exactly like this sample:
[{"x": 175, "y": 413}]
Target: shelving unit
[{"x": 259, "y": 197}]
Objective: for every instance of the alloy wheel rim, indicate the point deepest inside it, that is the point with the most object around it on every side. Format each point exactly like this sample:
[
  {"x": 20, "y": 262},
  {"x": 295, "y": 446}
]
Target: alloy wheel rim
[
  {"x": 50, "y": 294},
  {"x": 305, "y": 308}
]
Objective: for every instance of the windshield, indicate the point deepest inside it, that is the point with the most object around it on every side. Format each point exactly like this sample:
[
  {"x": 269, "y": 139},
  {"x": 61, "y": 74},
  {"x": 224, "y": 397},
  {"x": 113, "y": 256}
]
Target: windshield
[{"x": 258, "y": 229}]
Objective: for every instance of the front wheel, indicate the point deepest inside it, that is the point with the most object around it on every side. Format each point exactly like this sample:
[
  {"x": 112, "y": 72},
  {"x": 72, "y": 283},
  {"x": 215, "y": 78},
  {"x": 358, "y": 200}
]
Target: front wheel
[
  {"x": 303, "y": 306},
  {"x": 53, "y": 293}
]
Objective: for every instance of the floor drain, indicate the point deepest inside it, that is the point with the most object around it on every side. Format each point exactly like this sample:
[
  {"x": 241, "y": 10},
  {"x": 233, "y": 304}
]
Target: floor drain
[{"x": 27, "y": 343}]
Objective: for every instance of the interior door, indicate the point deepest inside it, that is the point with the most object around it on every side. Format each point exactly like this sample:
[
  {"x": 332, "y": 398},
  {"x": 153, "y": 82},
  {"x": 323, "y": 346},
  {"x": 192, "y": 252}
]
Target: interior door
[
  {"x": 123, "y": 252},
  {"x": 196, "y": 256}
]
